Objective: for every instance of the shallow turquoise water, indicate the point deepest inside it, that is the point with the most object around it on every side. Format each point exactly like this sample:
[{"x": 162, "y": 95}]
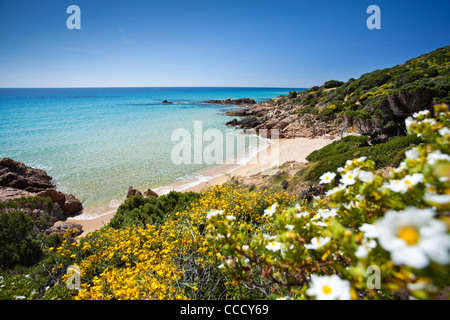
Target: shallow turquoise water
[{"x": 96, "y": 142}]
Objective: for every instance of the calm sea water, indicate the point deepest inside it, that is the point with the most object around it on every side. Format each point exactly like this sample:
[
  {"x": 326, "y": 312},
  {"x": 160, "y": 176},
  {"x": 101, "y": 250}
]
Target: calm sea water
[{"x": 96, "y": 142}]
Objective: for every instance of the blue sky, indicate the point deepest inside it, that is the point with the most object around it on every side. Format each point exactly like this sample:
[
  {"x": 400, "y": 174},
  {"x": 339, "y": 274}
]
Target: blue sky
[{"x": 282, "y": 43}]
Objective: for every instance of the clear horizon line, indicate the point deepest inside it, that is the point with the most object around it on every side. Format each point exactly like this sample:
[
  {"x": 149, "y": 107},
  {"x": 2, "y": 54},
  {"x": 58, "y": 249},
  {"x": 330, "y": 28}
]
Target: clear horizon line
[{"x": 99, "y": 87}]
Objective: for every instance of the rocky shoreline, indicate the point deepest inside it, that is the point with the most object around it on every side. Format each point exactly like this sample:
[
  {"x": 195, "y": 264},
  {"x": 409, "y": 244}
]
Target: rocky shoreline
[
  {"x": 237, "y": 102},
  {"x": 18, "y": 181},
  {"x": 286, "y": 117}
]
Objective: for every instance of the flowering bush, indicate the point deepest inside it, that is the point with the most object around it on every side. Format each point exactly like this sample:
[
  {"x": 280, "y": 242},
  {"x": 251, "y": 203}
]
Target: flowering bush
[
  {"x": 369, "y": 238},
  {"x": 169, "y": 260}
]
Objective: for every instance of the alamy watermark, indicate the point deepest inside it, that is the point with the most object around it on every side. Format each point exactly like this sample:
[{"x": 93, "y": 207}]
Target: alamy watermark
[
  {"x": 374, "y": 21},
  {"x": 212, "y": 146},
  {"x": 374, "y": 280},
  {"x": 74, "y": 280},
  {"x": 74, "y": 20}
]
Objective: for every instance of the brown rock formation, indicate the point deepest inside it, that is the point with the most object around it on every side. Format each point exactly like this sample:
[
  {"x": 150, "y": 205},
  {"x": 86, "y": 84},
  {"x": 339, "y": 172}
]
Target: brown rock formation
[
  {"x": 17, "y": 175},
  {"x": 150, "y": 193},
  {"x": 133, "y": 192}
]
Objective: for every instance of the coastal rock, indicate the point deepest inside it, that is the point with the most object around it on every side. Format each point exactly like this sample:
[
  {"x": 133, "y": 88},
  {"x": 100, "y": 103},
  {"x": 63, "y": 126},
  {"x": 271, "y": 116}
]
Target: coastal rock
[
  {"x": 8, "y": 194},
  {"x": 133, "y": 192},
  {"x": 68, "y": 202},
  {"x": 72, "y": 205},
  {"x": 167, "y": 102},
  {"x": 61, "y": 229},
  {"x": 16, "y": 174},
  {"x": 151, "y": 193},
  {"x": 288, "y": 119},
  {"x": 237, "y": 102},
  {"x": 56, "y": 196}
]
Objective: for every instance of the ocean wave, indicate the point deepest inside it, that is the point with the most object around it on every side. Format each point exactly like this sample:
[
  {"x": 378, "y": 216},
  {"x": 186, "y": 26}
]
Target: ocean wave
[{"x": 99, "y": 211}]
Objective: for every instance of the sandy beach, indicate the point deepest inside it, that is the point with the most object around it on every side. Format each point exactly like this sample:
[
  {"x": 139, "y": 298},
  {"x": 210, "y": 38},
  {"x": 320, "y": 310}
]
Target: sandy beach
[{"x": 277, "y": 153}]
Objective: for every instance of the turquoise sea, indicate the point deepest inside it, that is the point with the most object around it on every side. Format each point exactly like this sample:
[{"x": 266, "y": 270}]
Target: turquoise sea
[{"x": 97, "y": 142}]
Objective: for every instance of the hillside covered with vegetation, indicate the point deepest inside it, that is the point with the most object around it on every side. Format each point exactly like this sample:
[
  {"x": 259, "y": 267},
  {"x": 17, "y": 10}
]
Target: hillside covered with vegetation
[{"x": 377, "y": 103}]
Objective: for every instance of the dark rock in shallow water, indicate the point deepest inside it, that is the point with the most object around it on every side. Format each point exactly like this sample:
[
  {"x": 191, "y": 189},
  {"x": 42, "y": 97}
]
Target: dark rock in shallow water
[
  {"x": 167, "y": 102},
  {"x": 238, "y": 102},
  {"x": 18, "y": 180},
  {"x": 133, "y": 192},
  {"x": 151, "y": 193},
  {"x": 17, "y": 175},
  {"x": 72, "y": 205}
]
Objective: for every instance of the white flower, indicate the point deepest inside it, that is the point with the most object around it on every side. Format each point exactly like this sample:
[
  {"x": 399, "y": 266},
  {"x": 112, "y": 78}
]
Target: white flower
[
  {"x": 366, "y": 246},
  {"x": 245, "y": 247},
  {"x": 396, "y": 186},
  {"x": 370, "y": 231},
  {"x": 270, "y": 210},
  {"x": 436, "y": 199},
  {"x": 212, "y": 213},
  {"x": 412, "y": 154},
  {"x": 335, "y": 190},
  {"x": 327, "y": 177},
  {"x": 302, "y": 214},
  {"x": 365, "y": 176},
  {"x": 421, "y": 113},
  {"x": 437, "y": 155},
  {"x": 349, "y": 178},
  {"x": 413, "y": 179},
  {"x": 290, "y": 227},
  {"x": 413, "y": 237},
  {"x": 361, "y": 159},
  {"x": 403, "y": 185},
  {"x": 317, "y": 243},
  {"x": 444, "y": 131},
  {"x": 269, "y": 237},
  {"x": 329, "y": 288},
  {"x": 408, "y": 122},
  {"x": 231, "y": 217},
  {"x": 274, "y": 246},
  {"x": 319, "y": 223},
  {"x": 326, "y": 213},
  {"x": 429, "y": 121},
  {"x": 284, "y": 298}
]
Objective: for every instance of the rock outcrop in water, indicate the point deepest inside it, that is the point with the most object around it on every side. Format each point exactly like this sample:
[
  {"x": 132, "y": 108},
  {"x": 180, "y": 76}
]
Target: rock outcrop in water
[
  {"x": 133, "y": 192},
  {"x": 228, "y": 101},
  {"x": 151, "y": 193},
  {"x": 17, "y": 175},
  {"x": 18, "y": 180}
]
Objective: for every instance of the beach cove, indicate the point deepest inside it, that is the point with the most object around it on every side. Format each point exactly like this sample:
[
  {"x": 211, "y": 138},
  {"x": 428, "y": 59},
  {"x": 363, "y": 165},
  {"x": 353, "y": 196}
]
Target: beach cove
[{"x": 286, "y": 150}]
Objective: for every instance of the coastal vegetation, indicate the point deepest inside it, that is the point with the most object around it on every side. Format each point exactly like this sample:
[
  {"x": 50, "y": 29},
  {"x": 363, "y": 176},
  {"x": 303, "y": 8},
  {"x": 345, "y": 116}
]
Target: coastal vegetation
[
  {"x": 232, "y": 243},
  {"x": 377, "y": 103},
  {"x": 376, "y": 226}
]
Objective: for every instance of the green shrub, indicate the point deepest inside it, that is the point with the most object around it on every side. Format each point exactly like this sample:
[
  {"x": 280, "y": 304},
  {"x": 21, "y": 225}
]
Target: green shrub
[
  {"x": 19, "y": 241},
  {"x": 332, "y": 84},
  {"x": 334, "y": 155},
  {"x": 138, "y": 210}
]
